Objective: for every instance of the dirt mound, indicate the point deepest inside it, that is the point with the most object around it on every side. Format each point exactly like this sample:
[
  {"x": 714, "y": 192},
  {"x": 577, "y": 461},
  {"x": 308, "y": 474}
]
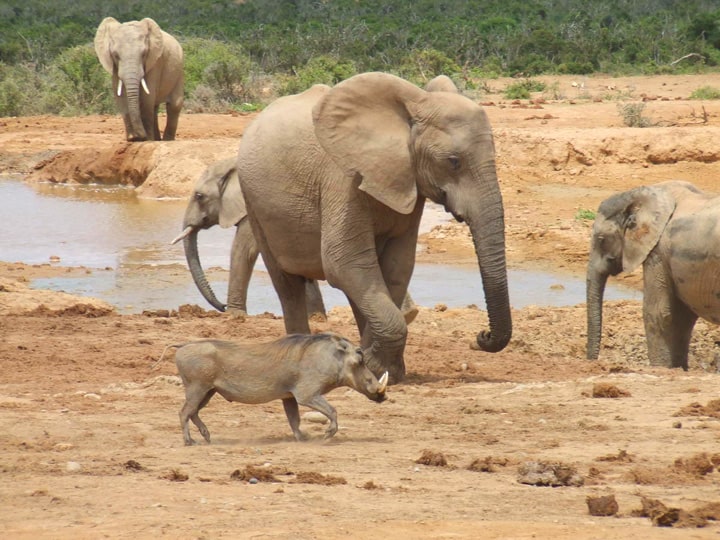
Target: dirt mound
[{"x": 16, "y": 298}]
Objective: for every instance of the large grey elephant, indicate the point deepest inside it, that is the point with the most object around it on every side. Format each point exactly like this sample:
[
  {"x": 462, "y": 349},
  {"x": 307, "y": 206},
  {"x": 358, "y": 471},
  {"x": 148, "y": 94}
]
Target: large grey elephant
[
  {"x": 673, "y": 230},
  {"x": 335, "y": 182},
  {"x": 146, "y": 65},
  {"x": 217, "y": 200}
]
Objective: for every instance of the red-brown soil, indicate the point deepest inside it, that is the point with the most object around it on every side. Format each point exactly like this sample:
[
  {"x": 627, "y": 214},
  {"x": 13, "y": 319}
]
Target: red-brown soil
[{"x": 91, "y": 443}]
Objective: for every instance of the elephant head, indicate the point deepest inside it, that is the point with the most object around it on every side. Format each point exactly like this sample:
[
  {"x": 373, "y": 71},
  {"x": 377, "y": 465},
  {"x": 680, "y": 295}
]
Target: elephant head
[
  {"x": 403, "y": 143},
  {"x": 627, "y": 228},
  {"x": 128, "y": 52},
  {"x": 441, "y": 83},
  {"x": 216, "y": 199}
]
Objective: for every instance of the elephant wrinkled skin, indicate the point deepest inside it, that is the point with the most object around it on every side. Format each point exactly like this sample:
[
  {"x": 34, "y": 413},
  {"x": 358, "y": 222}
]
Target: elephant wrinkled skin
[
  {"x": 217, "y": 199},
  {"x": 335, "y": 181},
  {"x": 146, "y": 65},
  {"x": 673, "y": 230}
]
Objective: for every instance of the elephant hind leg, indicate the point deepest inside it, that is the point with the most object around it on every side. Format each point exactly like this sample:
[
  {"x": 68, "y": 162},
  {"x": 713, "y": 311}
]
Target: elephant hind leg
[{"x": 668, "y": 321}]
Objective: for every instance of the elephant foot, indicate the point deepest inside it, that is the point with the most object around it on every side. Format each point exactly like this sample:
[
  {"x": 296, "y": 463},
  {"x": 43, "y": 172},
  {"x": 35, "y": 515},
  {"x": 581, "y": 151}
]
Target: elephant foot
[
  {"x": 317, "y": 317},
  {"x": 237, "y": 314}
]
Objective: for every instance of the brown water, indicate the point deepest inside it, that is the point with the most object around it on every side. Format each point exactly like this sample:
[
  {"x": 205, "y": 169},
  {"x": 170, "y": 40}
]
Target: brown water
[{"x": 110, "y": 228}]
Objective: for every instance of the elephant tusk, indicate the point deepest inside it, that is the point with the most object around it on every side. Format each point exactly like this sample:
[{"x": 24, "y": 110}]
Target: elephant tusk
[
  {"x": 119, "y": 90},
  {"x": 383, "y": 383},
  {"x": 182, "y": 235},
  {"x": 144, "y": 85}
]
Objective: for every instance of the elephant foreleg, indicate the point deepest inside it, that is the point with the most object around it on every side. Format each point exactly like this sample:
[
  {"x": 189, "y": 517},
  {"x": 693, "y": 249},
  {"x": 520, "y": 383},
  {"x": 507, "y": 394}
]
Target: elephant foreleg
[
  {"x": 315, "y": 304},
  {"x": 243, "y": 256},
  {"x": 668, "y": 321}
]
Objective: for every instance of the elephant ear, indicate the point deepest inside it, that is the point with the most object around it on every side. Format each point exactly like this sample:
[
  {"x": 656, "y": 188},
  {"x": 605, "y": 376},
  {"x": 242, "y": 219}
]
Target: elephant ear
[
  {"x": 155, "y": 42},
  {"x": 232, "y": 203},
  {"x": 364, "y": 124},
  {"x": 647, "y": 215},
  {"x": 102, "y": 42}
]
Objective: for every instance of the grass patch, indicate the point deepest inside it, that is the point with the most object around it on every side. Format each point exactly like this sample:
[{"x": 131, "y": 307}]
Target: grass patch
[
  {"x": 583, "y": 214},
  {"x": 706, "y": 92}
]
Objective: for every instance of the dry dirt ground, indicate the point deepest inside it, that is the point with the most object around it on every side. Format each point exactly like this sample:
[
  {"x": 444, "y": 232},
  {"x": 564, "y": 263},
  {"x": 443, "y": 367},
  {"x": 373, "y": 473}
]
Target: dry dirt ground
[{"x": 91, "y": 444}]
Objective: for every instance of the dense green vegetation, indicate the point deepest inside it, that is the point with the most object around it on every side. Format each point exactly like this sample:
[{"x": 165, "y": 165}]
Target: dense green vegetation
[{"x": 246, "y": 51}]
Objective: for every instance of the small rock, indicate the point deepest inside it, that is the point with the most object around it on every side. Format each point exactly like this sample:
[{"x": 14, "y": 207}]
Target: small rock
[
  {"x": 677, "y": 425},
  {"x": 92, "y": 395},
  {"x": 253, "y": 480},
  {"x": 73, "y": 466},
  {"x": 315, "y": 417},
  {"x": 62, "y": 447},
  {"x": 604, "y": 505}
]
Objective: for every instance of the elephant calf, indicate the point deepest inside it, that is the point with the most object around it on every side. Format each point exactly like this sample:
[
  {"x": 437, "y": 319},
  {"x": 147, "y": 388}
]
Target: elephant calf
[
  {"x": 673, "y": 230},
  {"x": 298, "y": 369}
]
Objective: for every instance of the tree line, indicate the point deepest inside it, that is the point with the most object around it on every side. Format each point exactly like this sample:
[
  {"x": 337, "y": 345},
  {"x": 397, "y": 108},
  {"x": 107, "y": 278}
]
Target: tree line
[{"x": 238, "y": 52}]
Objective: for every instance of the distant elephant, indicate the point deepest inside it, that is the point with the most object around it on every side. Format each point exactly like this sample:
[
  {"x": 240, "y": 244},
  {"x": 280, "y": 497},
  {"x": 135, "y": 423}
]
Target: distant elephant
[
  {"x": 335, "y": 181},
  {"x": 673, "y": 229},
  {"x": 217, "y": 199},
  {"x": 138, "y": 54}
]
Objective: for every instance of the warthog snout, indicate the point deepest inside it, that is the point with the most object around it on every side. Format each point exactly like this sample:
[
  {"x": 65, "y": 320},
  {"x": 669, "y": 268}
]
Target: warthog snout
[{"x": 379, "y": 394}]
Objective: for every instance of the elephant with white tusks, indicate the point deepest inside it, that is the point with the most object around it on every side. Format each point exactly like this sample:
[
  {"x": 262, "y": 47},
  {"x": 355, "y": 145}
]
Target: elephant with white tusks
[
  {"x": 335, "y": 181},
  {"x": 673, "y": 230},
  {"x": 217, "y": 200},
  {"x": 146, "y": 65}
]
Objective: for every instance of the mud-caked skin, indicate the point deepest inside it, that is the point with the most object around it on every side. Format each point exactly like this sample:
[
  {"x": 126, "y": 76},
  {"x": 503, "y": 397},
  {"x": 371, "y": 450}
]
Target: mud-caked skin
[{"x": 298, "y": 369}]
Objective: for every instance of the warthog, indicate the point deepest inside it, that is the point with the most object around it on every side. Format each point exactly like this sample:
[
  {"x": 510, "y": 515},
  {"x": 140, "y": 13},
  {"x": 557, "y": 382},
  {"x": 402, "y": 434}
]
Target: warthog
[{"x": 297, "y": 368}]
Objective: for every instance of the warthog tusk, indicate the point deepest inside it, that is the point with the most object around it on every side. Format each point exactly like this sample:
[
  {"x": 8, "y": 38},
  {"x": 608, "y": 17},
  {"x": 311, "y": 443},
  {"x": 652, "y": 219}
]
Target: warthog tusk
[
  {"x": 182, "y": 235},
  {"x": 119, "y": 90},
  {"x": 144, "y": 85},
  {"x": 383, "y": 383}
]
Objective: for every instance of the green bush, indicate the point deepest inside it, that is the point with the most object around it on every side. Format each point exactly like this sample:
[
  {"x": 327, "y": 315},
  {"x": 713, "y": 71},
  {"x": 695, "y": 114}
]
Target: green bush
[
  {"x": 522, "y": 89},
  {"x": 222, "y": 67},
  {"x": 705, "y": 92},
  {"x": 422, "y": 65},
  {"x": 77, "y": 84},
  {"x": 19, "y": 88},
  {"x": 323, "y": 69}
]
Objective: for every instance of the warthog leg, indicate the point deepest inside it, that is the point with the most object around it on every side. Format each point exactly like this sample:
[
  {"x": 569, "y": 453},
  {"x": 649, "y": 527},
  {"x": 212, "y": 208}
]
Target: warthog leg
[
  {"x": 196, "y": 397},
  {"x": 320, "y": 404},
  {"x": 293, "y": 415}
]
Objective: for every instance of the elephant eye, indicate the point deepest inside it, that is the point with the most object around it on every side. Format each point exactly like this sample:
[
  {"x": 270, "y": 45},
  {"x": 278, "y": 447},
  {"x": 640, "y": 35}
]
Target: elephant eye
[
  {"x": 454, "y": 162},
  {"x": 199, "y": 196}
]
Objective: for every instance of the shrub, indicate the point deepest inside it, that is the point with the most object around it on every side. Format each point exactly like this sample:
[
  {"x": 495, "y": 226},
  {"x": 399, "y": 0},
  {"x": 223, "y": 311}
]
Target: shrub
[
  {"x": 222, "y": 67},
  {"x": 522, "y": 89},
  {"x": 77, "y": 84},
  {"x": 18, "y": 90},
  {"x": 324, "y": 69},
  {"x": 422, "y": 65},
  {"x": 632, "y": 114},
  {"x": 705, "y": 92}
]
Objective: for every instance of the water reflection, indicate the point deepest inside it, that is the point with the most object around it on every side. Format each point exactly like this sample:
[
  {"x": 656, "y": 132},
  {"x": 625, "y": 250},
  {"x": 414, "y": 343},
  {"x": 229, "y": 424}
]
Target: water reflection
[{"x": 109, "y": 227}]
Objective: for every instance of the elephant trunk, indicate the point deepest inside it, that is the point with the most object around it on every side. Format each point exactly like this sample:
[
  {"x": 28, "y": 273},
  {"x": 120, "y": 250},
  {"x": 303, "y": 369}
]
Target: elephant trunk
[
  {"x": 197, "y": 272},
  {"x": 487, "y": 226},
  {"x": 595, "y": 288},
  {"x": 132, "y": 95}
]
